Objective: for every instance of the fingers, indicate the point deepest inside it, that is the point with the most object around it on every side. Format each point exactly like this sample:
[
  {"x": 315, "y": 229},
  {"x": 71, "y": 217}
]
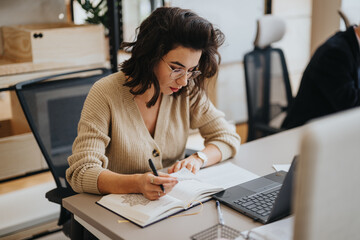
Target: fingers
[
  {"x": 154, "y": 195},
  {"x": 161, "y": 174},
  {"x": 157, "y": 195},
  {"x": 178, "y": 165},
  {"x": 196, "y": 167},
  {"x": 190, "y": 163},
  {"x": 175, "y": 167},
  {"x": 190, "y": 166},
  {"x": 152, "y": 190},
  {"x": 164, "y": 179}
]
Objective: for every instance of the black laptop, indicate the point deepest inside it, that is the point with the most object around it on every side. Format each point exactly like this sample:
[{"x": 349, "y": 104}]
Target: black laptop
[{"x": 265, "y": 199}]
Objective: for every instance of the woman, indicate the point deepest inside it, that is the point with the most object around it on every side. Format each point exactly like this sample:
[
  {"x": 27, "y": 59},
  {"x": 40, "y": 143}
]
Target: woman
[{"x": 146, "y": 110}]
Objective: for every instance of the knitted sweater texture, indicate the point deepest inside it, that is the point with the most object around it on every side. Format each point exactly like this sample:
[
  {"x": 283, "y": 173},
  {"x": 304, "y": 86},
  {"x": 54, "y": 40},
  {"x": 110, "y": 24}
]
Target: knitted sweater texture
[{"x": 112, "y": 134}]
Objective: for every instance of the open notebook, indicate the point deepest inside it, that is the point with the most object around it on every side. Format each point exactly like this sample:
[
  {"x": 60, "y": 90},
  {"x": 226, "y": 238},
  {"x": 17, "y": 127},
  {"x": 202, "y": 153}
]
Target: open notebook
[{"x": 191, "y": 190}]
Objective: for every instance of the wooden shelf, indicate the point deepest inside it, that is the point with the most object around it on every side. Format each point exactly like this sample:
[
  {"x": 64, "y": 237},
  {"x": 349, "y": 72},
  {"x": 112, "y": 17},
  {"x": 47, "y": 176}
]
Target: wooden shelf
[
  {"x": 21, "y": 72},
  {"x": 8, "y": 67}
]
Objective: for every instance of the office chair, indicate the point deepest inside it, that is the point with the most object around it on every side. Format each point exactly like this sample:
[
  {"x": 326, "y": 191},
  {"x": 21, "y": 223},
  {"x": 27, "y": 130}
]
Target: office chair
[
  {"x": 267, "y": 81},
  {"x": 52, "y": 109}
]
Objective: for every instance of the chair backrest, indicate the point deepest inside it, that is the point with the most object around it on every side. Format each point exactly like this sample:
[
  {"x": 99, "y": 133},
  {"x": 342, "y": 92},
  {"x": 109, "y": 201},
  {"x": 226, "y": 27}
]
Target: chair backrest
[
  {"x": 267, "y": 80},
  {"x": 53, "y": 109}
]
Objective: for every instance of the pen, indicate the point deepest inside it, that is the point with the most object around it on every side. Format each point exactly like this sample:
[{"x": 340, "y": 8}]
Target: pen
[
  {"x": 152, "y": 166},
  {"x": 221, "y": 219}
]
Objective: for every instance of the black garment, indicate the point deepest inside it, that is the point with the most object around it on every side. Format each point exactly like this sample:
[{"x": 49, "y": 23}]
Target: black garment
[{"x": 330, "y": 82}]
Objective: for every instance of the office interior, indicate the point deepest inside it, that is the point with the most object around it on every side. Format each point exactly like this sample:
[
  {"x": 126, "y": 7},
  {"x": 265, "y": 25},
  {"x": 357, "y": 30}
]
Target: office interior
[{"x": 26, "y": 179}]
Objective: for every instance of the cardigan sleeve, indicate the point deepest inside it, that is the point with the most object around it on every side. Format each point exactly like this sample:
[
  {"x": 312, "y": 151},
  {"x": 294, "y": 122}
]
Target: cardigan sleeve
[
  {"x": 212, "y": 126},
  {"x": 88, "y": 158}
]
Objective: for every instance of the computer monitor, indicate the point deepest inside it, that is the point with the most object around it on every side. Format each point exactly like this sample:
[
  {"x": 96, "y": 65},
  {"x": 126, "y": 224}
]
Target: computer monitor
[{"x": 327, "y": 194}]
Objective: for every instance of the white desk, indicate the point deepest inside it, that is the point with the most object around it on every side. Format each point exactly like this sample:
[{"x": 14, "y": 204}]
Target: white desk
[{"x": 257, "y": 156}]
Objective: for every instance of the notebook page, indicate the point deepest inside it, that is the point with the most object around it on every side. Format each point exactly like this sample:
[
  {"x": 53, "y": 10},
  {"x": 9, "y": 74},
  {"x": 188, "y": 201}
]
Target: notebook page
[
  {"x": 190, "y": 190},
  {"x": 225, "y": 175}
]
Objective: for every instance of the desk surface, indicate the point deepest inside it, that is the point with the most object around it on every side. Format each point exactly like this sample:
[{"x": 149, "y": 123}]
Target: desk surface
[{"x": 256, "y": 156}]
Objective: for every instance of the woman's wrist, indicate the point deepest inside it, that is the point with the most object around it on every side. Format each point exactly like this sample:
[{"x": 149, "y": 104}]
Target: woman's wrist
[
  {"x": 136, "y": 179},
  {"x": 199, "y": 160},
  {"x": 110, "y": 182}
]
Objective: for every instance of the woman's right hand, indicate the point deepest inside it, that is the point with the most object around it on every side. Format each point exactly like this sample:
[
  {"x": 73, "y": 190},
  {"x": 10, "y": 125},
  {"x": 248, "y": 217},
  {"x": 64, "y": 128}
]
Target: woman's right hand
[{"x": 149, "y": 185}]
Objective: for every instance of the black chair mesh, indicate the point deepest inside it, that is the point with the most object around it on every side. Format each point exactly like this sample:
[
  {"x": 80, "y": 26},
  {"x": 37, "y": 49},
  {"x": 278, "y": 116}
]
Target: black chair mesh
[
  {"x": 268, "y": 90},
  {"x": 53, "y": 110}
]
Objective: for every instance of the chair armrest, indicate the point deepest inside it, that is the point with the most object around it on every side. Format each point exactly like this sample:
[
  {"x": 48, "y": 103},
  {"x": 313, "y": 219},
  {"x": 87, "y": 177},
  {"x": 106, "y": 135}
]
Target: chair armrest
[{"x": 57, "y": 194}]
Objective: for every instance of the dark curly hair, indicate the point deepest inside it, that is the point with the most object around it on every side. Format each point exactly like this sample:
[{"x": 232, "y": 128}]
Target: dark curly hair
[{"x": 165, "y": 29}]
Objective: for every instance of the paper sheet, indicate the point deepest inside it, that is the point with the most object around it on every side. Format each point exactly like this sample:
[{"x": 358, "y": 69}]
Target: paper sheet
[
  {"x": 279, "y": 167},
  {"x": 230, "y": 173}
]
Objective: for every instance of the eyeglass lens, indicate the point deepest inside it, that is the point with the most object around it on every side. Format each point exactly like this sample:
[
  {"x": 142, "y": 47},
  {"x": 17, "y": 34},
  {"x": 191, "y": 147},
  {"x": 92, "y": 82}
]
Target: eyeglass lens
[{"x": 178, "y": 73}]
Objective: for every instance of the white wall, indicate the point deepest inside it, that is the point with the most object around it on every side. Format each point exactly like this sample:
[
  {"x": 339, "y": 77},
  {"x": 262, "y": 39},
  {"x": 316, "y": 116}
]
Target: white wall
[
  {"x": 235, "y": 18},
  {"x": 14, "y": 12},
  {"x": 231, "y": 94},
  {"x": 296, "y": 42},
  {"x": 238, "y": 21},
  {"x": 352, "y": 9}
]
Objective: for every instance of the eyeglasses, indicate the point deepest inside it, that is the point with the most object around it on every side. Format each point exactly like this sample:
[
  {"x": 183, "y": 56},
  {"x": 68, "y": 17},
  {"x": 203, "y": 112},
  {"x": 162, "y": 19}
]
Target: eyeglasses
[{"x": 179, "y": 72}]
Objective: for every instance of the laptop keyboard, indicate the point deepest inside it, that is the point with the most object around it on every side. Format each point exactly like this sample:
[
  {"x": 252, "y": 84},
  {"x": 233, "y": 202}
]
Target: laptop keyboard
[{"x": 259, "y": 203}]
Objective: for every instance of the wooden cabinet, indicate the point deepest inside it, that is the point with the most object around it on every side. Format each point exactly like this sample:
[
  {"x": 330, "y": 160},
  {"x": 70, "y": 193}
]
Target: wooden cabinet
[{"x": 36, "y": 47}]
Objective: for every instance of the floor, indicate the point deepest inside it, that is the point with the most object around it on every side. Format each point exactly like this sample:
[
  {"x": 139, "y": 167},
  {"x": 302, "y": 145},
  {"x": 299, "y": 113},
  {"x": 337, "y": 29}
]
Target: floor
[
  {"x": 26, "y": 213},
  {"x": 34, "y": 187},
  {"x": 38, "y": 235},
  {"x": 242, "y": 130},
  {"x": 54, "y": 236}
]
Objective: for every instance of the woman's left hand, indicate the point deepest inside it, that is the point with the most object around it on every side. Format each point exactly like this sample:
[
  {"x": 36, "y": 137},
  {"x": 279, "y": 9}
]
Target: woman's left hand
[{"x": 192, "y": 163}]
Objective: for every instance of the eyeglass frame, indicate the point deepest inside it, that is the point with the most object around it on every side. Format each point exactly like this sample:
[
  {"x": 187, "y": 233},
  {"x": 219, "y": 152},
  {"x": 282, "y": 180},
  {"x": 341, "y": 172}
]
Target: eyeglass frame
[{"x": 173, "y": 71}]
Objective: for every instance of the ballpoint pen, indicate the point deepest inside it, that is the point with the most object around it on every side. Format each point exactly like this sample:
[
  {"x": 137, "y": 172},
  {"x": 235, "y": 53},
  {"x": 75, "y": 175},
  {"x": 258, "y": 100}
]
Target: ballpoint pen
[
  {"x": 221, "y": 219},
  {"x": 152, "y": 166}
]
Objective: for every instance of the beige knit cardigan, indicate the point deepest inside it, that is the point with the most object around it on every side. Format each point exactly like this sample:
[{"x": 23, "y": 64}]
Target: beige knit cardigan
[{"x": 112, "y": 134}]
